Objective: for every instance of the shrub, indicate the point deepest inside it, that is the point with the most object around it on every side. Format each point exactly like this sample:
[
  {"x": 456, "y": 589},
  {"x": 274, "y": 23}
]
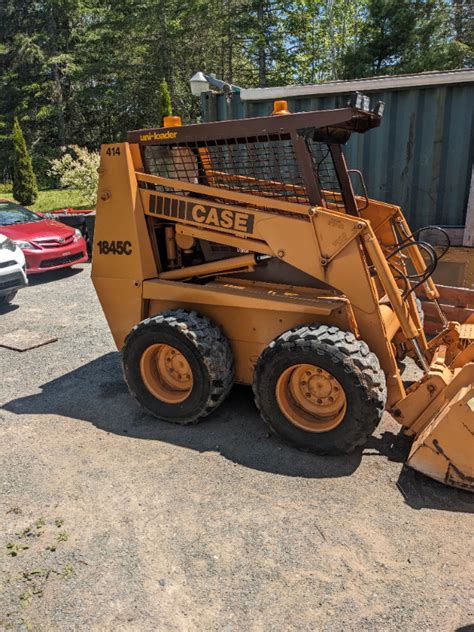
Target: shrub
[
  {"x": 25, "y": 188},
  {"x": 78, "y": 170},
  {"x": 5, "y": 187}
]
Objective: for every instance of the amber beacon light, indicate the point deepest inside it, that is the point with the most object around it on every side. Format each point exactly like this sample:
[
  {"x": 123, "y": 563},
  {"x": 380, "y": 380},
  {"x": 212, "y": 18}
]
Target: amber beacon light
[
  {"x": 280, "y": 107},
  {"x": 172, "y": 121}
]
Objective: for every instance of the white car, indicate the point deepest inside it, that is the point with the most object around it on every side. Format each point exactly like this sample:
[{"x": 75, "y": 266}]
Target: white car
[{"x": 12, "y": 270}]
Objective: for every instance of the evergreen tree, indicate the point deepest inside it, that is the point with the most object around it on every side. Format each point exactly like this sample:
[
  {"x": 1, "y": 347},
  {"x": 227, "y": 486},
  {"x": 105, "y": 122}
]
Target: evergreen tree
[
  {"x": 165, "y": 101},
  {"x": 263, "y": 55},
  {"x": 320, "y": 33},
  {"x": 463, "y": 21},
  {"x": 37, "y": 61},
  {"x": 405, "y": 36},
  {"x": 25, "y": 189},
  {"x": 84, "y": 72}
]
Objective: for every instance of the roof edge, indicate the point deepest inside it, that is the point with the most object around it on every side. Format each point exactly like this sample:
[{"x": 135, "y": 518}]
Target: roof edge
[{"x": 384, "y": 82}]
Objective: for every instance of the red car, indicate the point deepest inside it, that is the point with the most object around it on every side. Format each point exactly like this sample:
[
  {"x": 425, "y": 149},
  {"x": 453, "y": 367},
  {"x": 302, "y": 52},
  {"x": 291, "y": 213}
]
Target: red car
[{"x": 46, "y": 243}]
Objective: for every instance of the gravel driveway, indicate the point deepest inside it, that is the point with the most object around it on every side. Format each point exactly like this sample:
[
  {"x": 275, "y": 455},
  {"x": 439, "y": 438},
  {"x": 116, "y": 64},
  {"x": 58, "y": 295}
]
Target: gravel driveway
[{"x": 114, "y": 521}]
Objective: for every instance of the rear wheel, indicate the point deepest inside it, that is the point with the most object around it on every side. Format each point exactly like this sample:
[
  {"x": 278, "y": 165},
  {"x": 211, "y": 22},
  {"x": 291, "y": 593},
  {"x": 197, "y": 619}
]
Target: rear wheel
[
  {"x": 320, "y": 389},
  {"x": 178, "y": 365}
]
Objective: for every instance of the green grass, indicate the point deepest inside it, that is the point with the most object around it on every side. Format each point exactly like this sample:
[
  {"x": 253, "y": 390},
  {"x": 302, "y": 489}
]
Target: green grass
[{"x": 52, "y": 199}]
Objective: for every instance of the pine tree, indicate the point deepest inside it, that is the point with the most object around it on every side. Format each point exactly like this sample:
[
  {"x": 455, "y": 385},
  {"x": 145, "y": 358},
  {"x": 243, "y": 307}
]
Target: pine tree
[
  {"x": 165, "y": 101},
  {"x": 25, "y": 189},
  {"x": 405, "y": 36},
  {"x": 85, "y": 71}
]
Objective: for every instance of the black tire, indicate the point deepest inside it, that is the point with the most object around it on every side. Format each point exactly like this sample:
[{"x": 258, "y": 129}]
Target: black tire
[
  {"x": 8, "y": 298},
  {"x": 343, "y": 356},
  {"x": 204, "y": 347}
]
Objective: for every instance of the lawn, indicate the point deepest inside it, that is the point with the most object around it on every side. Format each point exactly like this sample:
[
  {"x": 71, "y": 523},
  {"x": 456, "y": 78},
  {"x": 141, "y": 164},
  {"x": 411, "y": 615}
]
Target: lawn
[{"x": 52, "y": 199}]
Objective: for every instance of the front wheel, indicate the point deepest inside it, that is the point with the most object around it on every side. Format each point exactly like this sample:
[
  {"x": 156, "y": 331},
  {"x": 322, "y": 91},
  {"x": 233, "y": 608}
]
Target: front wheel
[
  {"x": 178, "y": 365},
  {"x": 320, "y": 389}
]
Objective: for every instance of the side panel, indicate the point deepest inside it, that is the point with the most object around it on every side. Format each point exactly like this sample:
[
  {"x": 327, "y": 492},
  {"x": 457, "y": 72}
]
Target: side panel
[
  {"x": 239, "y": 325},
  {"x": 122, "y": 253},
  {"x": 249, "y": 318}
]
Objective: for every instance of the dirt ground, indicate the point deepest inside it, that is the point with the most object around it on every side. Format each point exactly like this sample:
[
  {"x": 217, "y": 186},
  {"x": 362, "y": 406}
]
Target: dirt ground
[{"x": 114, "y": 521}]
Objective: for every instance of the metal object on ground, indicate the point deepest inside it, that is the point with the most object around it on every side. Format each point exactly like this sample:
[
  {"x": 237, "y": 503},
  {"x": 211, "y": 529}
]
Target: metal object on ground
[
  {"x": 239, "y": 251},
  {"x": 24, "y": 340}
]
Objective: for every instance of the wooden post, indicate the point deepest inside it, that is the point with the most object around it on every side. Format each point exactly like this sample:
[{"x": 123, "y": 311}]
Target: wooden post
[{"x": 468, "y": 238}]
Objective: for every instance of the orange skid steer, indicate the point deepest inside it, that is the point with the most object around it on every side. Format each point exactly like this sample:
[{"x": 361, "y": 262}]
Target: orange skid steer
[{"x": 239, "y": 251}]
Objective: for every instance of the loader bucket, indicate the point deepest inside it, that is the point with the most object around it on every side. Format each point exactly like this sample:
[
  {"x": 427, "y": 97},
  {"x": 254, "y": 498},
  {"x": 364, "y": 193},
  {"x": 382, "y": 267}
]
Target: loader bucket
[{"x": 444, "y": 449}]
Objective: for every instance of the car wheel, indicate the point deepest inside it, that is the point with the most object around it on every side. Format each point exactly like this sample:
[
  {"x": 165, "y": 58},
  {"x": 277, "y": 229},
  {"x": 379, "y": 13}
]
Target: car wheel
[{"x": 8, "y": 298}]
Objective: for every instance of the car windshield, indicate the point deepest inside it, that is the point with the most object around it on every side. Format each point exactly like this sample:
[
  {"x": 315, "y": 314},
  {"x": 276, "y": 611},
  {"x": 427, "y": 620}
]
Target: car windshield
[{"x": 13, "y": 214}]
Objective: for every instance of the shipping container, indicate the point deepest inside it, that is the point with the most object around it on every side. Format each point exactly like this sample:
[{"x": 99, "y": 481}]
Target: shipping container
[{"x": 421, "y": 156}]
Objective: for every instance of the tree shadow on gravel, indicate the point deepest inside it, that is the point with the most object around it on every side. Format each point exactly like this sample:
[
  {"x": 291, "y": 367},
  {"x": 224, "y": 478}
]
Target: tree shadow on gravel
[{"x": 97, "y": 393}]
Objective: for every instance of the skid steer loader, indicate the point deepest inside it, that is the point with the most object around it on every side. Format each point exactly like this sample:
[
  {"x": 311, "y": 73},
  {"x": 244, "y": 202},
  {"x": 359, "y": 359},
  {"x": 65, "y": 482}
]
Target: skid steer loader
[{"x": 239, "y": 251}]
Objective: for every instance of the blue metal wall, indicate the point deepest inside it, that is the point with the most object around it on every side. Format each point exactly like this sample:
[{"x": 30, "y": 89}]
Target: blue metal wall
[{"x": 420, "y": 157}]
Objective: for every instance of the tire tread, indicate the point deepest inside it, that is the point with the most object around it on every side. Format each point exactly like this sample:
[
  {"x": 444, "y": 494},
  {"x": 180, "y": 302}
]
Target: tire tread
[
  {"x": 212, "y": 346},
  {"x": 341, "y": 347}
]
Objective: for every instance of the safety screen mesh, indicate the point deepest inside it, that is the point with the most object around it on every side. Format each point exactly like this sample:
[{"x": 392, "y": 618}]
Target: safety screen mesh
[
  {"x": 264, "y": 165},
  {"x": 323, "y": 165},
  {"x": 260, "y": 165}
]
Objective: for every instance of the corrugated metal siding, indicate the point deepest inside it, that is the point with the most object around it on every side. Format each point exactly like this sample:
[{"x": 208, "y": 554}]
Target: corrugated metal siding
[{"x": 420, "y": 157}]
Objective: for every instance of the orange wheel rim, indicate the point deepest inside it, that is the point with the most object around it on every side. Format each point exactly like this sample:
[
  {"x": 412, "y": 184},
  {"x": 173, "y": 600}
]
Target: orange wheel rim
[
  {"x": 166, "y": 373},
  {"x": 311, "y": 398}
]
